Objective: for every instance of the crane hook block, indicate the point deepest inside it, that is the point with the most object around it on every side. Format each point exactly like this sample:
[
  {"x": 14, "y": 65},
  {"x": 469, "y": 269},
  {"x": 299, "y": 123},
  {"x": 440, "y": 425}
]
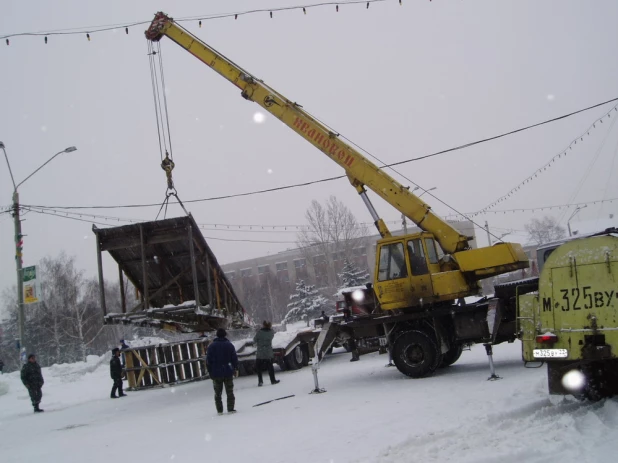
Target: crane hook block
[{"x": 168, "y": 165}]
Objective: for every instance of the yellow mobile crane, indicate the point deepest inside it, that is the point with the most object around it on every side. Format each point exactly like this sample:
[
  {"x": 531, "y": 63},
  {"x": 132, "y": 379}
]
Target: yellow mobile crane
[{"x": 410, "y": 275}]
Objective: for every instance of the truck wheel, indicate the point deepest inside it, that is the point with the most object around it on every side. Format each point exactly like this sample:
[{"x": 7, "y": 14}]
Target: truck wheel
[
  {"x": 294, "y": 360},
  {"x": 415, "y": 354},
  {"x": 305, "y": 349},
  {"x": 452, "y": 355}
]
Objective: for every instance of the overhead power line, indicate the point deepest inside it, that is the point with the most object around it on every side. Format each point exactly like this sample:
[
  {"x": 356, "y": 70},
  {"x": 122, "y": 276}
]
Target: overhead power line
[{"x": 329, "y": 179}]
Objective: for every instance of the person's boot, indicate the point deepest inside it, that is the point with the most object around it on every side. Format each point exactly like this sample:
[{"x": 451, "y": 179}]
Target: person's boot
[
  {"x": 37, "y": 409},
  {"x": 260, "y": 384},
  {"x": 277, "y": 381},
  {"x": 113, "y": 396}
]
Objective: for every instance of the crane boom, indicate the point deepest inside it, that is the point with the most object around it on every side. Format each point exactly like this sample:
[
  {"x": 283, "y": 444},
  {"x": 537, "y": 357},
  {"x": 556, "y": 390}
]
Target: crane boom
[
  {"x": 448, "y": 281},
  {"x": 360, "y": 171}
]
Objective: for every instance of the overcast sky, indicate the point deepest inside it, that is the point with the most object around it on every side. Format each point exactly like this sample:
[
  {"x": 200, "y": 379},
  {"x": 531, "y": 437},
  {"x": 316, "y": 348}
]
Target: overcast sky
[{"x": 400, "y": 82}]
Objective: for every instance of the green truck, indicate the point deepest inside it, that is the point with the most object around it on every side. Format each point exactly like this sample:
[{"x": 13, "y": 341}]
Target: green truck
[{"x": 571, "y": 322}]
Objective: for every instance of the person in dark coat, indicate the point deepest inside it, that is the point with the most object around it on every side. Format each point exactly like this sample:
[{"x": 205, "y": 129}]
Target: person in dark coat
[
  {"x": 222, "y": 364},
  {"x": 115, "y": 371},
  {"x": 33, "y": 380},
  {"x": 264, "y": 355},
  {"x": 1, "y": 366}
]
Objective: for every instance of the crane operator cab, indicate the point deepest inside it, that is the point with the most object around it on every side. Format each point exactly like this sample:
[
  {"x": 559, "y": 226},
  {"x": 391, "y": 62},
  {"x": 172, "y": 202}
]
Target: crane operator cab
[{"x": 412, "y": 272}]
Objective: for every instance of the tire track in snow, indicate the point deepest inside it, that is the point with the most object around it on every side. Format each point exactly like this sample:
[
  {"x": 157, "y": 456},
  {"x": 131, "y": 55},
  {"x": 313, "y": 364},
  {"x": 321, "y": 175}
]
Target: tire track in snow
[{"x": 566, "y": 431}]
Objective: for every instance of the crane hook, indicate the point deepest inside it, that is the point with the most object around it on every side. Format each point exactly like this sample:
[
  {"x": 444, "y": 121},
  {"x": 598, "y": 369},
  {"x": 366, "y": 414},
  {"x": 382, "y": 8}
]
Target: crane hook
[{"x": 168, "y": 165}]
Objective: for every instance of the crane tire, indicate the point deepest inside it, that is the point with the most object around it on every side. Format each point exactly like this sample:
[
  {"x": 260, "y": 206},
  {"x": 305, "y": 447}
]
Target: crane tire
[
  {"x": 452, "y": 355},
  {"x": 415, "y": 354}
]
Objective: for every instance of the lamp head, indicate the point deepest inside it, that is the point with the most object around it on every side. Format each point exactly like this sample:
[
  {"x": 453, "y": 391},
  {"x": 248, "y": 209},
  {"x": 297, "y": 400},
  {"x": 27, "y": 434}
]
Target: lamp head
[{"x": 70, "y": 149}]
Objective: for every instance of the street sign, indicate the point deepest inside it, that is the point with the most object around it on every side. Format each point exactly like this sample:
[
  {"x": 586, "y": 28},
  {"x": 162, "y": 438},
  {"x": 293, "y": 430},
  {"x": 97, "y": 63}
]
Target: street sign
[{"x": 32, "y": 285}]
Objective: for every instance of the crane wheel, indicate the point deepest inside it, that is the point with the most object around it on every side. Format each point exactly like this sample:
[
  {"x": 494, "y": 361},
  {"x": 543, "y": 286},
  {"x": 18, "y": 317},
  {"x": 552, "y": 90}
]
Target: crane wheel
[
  {"x": 452, "y": 355},
  {"x": 415, "y": 354}
]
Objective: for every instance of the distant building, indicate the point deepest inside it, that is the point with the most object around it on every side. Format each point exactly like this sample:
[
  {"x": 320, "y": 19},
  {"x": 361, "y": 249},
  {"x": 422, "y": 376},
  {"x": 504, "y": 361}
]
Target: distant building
[{"x": 314, "y": 265}]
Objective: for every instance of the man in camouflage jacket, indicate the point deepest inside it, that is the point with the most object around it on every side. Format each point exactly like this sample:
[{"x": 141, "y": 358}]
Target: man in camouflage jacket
[{"x": 33, "y": 380}]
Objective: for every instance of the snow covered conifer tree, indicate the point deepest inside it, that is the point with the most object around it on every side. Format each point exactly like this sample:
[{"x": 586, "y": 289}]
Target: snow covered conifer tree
[
  {"x": 306, "y": 304},
  {"x": 351, "y": 275}
]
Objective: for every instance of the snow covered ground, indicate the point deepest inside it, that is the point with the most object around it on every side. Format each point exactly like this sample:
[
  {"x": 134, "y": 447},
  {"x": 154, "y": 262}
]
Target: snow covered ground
[{"x": 369, "y": 414}]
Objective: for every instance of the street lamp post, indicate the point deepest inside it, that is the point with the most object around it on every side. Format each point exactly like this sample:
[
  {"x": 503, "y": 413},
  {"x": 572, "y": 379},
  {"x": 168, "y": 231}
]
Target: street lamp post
[
  {"x": 577, "y": 209},
  {"x": 18, "y": 237}
]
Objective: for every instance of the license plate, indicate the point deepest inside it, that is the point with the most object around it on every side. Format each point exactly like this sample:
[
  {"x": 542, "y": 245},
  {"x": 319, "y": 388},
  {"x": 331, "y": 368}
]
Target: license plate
[{"x": 550, "y": 353}]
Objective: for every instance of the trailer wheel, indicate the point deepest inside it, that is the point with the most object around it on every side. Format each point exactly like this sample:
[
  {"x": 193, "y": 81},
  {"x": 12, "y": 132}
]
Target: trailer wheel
[
  {"x": 452, "y": 355},
  {"x": 294, "y": 360},
  {"x": 305, "y": 350},
  {"x": 415, "y": 354}
]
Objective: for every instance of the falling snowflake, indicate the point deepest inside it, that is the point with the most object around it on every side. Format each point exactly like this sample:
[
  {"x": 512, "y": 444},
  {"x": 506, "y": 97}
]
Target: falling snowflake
[
  {"x": 259, "y": 118},
  {"x": 551, "y": 97}
]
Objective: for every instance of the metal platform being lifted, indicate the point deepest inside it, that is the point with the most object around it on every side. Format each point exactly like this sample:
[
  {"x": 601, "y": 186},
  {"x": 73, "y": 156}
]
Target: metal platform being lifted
[{"x": 181, "y": 285}]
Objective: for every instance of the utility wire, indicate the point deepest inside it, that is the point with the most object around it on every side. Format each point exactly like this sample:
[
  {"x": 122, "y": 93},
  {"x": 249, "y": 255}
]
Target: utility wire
[
  {"x": 329, "y": 179},
  {"x": 94, "y": 29}
]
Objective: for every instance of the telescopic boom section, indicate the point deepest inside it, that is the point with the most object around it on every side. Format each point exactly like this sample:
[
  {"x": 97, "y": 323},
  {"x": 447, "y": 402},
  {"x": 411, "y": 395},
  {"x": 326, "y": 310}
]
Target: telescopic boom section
[{"x": 360, "y": 170}]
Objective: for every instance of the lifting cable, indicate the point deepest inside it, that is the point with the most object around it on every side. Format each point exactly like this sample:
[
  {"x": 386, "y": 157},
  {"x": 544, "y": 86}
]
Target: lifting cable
[{"x": 163, "y": 124}]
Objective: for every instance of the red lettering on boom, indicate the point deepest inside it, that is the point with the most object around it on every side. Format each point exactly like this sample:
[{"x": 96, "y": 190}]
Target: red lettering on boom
[{"x": 298, "y": 122}]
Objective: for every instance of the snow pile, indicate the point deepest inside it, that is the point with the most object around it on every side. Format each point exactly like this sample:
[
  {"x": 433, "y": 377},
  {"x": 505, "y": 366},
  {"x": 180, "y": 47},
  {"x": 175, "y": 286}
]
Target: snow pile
[
  {"x": 4, "y": 386},
  {"x": 69, "y": 372}
]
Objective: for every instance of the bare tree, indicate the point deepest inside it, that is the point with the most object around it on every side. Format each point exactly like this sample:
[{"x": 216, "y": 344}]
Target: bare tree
[
  {"x": 333, "y": 232},
  {"x": 544, "y": 230}
]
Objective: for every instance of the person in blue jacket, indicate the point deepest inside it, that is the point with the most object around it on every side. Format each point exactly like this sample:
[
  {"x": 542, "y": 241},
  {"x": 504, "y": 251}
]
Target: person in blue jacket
[{"x": 222, "y": 364}]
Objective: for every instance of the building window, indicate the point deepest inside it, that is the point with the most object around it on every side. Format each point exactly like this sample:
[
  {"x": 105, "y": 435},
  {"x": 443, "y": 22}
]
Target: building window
[
  {"x": 360, "y": 251},
  {"x": 281, "y": 266},
  {"x": 319, "y": 260},
  {"x": 231, "y": 275},
  {"x": 300, "y": 263},
  {"x": 262, "y": 269},
  {"x": 245, "y": 272}
]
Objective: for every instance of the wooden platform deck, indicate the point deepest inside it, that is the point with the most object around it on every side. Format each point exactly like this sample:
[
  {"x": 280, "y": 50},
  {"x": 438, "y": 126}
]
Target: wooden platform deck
[{"x": 181, "y": 285}]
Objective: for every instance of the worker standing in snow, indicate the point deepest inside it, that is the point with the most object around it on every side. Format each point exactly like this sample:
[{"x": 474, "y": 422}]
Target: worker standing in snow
[
  {"x": 115, "y": 371},
  {"x": 222, "y": 364},
  {"x": 32, "y": 378},
  {"x": 264, "y": 355}
]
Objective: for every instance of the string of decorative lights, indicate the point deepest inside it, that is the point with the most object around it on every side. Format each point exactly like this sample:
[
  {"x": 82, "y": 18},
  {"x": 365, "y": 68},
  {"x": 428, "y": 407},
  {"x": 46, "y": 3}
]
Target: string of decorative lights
[
  {"x": 66, "y": 216},
  {"x": 89, "y": 31},
  {"x": 536, "y": 209},
  {"x": 261, "y": 228},
  {"x": 547, "y": 165}
]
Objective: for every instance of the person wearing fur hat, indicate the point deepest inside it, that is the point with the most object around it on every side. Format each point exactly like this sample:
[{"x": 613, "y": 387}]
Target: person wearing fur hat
[
  {"x": 32, "y": 378},
  {"x": 222, "y": 364},
  {"x": 115, "y": 371}
]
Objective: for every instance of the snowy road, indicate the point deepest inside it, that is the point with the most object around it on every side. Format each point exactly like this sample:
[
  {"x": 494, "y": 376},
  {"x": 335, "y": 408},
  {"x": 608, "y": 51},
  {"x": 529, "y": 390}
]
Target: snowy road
[{"x": 369, "y": 414}]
